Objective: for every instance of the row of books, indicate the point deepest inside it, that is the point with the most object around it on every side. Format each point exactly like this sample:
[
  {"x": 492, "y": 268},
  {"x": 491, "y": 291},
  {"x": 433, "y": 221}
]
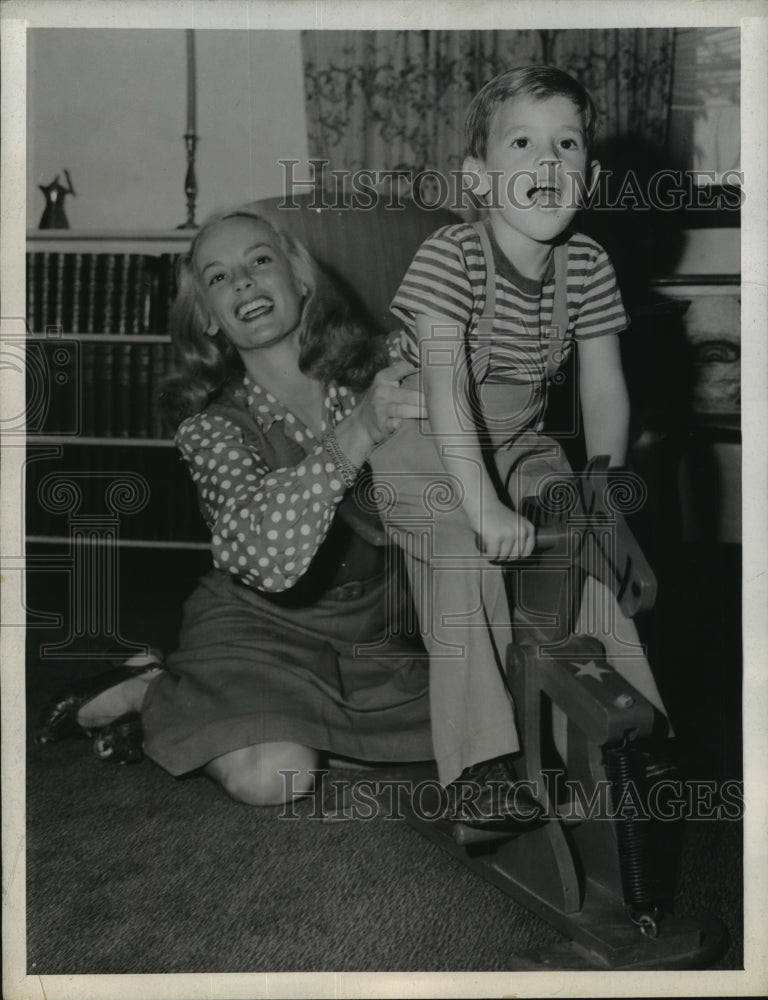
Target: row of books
[
  {"x": 96, "y": 388},
  {"x": 124, "y": 293},
  {"x": 148, "y": 490}
]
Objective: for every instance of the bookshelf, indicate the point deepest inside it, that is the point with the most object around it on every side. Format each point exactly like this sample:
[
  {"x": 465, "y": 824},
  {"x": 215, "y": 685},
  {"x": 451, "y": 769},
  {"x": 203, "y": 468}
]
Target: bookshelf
[{"x": 102, "y": 470}]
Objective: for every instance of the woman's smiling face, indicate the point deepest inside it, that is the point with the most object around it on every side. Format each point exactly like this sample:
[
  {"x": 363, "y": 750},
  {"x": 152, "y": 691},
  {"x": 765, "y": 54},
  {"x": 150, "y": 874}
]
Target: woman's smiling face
[{"x": 248, "y": 285}]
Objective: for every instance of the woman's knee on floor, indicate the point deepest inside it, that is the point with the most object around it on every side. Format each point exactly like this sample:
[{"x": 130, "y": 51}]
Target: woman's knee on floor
[{"x": 265, "y": 774}]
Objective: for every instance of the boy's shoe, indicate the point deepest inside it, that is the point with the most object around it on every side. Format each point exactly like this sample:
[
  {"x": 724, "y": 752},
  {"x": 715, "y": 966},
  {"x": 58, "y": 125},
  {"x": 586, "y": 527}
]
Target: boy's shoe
[{"x": 488, "y": 794}]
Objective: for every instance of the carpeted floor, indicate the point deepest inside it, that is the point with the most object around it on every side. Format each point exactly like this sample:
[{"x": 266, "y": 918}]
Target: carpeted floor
[{"x": 132, "y": 871}]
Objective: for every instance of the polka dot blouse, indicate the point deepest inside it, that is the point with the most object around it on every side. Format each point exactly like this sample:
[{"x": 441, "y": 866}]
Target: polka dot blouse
[{"x": 266, "y": 525}]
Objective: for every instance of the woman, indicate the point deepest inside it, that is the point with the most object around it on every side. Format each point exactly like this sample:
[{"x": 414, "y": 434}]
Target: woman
[{"x": 285, "y": 651}]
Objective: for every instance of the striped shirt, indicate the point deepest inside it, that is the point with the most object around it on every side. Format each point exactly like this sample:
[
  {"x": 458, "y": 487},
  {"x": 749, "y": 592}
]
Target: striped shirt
[{"x": 447, "y": 279}]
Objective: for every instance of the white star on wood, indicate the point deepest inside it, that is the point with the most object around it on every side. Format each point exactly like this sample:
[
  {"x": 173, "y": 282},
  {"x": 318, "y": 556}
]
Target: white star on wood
[{"x": 590, "y": 669}]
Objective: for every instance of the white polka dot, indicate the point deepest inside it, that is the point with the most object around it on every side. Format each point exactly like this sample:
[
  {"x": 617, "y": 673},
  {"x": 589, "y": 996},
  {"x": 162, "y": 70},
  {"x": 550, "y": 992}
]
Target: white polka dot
[
  {"x": 277, "y": 516},
  {"x": 251, "y": 550},
  {"x": 317, "y": 489},
  {"x": 268, "y": 582},
  {"x": 335, "y": 485},
  {"x": 290, "y": 515},
  {"x": 224, "y": 556},
  {"x": 305, "y": 529},
  {"x": 317, "y": 469},
  {"x": 242, "y": 561},
  {"x": 289, "y": 566},
  {"x": 263, "y": 561},
  {"x": 272, "y": 535}
]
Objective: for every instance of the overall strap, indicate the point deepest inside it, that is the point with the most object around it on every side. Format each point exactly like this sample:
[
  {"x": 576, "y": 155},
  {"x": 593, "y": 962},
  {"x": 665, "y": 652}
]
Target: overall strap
[
  {"x": 279, "y": 451},
  {"x": 555, "y": 334},
  {"x": 489, "y": 310},
  {"x": 485, "y": 322}
]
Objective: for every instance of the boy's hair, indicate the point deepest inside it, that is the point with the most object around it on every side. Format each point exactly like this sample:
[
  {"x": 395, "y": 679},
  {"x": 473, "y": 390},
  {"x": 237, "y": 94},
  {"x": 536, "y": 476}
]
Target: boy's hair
[
  {"x": 529, "y": 81},
  {"x": 334, "y": 345}
]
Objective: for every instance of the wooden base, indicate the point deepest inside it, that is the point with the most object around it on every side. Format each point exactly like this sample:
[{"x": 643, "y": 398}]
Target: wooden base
[{"x": 594, "y": 918}]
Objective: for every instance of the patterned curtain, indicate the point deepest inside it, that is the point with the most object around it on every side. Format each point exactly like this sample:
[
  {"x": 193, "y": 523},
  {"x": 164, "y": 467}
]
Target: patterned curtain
[{"x": 388, "y": 100}]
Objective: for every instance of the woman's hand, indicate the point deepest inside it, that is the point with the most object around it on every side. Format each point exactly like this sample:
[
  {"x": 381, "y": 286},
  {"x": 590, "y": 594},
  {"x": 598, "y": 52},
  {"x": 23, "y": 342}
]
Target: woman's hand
[
  {"x": 502, "y": 534},
  {"x": 380, "y": 411},
  {"x": 387, "y": 403}
]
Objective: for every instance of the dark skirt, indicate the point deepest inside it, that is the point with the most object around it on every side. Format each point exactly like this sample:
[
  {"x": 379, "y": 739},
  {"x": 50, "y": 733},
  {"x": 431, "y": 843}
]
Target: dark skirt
[{"x": 250, "y": 670}]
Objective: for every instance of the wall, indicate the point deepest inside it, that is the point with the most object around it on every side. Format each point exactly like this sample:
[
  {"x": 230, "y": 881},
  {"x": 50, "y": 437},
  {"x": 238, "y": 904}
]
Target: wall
[
  {"x": 110, "y": 106},
  {"x": 710, "y": 251}
]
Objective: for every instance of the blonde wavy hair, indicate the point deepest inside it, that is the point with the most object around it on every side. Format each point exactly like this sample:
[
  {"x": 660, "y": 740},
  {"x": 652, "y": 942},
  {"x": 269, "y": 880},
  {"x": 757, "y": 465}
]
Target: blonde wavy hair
[{"x": 334, "y": 345}]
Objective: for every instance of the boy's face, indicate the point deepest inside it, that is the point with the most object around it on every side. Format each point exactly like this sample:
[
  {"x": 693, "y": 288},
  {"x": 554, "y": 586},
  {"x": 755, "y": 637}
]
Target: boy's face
[{"x": 535, "y": 168}]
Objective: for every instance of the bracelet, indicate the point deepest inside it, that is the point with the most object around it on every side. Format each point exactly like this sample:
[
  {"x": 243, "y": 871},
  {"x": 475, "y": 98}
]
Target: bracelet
[{"x": 344, "y": 467}]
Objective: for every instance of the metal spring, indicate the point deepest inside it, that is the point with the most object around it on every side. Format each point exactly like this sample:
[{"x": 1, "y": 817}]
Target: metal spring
[{"x": 632, "y": 833}]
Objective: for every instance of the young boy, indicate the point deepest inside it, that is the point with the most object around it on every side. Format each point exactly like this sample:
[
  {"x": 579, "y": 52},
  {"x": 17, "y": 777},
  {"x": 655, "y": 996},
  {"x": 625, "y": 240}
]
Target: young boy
[{"x": 491, "y": 311}]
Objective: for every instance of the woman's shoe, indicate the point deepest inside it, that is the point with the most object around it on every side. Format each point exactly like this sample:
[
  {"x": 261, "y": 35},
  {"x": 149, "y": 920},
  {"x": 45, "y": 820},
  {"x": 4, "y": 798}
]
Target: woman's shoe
[
  {"x": 122, "y": 741},
  {"x": 58, "y": 720}
]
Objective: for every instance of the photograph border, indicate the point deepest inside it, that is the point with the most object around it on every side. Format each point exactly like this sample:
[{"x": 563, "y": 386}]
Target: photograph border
[{"x": 20, "y": 15}]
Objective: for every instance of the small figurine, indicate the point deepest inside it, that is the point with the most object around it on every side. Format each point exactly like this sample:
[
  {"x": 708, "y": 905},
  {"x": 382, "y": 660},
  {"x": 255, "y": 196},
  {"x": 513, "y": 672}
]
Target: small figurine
[{"x": 54, "y": 216}]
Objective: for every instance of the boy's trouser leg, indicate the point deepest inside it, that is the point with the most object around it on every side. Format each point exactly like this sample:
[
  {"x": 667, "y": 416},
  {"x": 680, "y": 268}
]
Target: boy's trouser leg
[{"x": 460, "y": 599}]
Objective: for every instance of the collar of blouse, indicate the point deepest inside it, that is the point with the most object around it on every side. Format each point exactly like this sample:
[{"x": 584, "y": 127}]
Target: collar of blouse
[{"x": 266, "y": 409}]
